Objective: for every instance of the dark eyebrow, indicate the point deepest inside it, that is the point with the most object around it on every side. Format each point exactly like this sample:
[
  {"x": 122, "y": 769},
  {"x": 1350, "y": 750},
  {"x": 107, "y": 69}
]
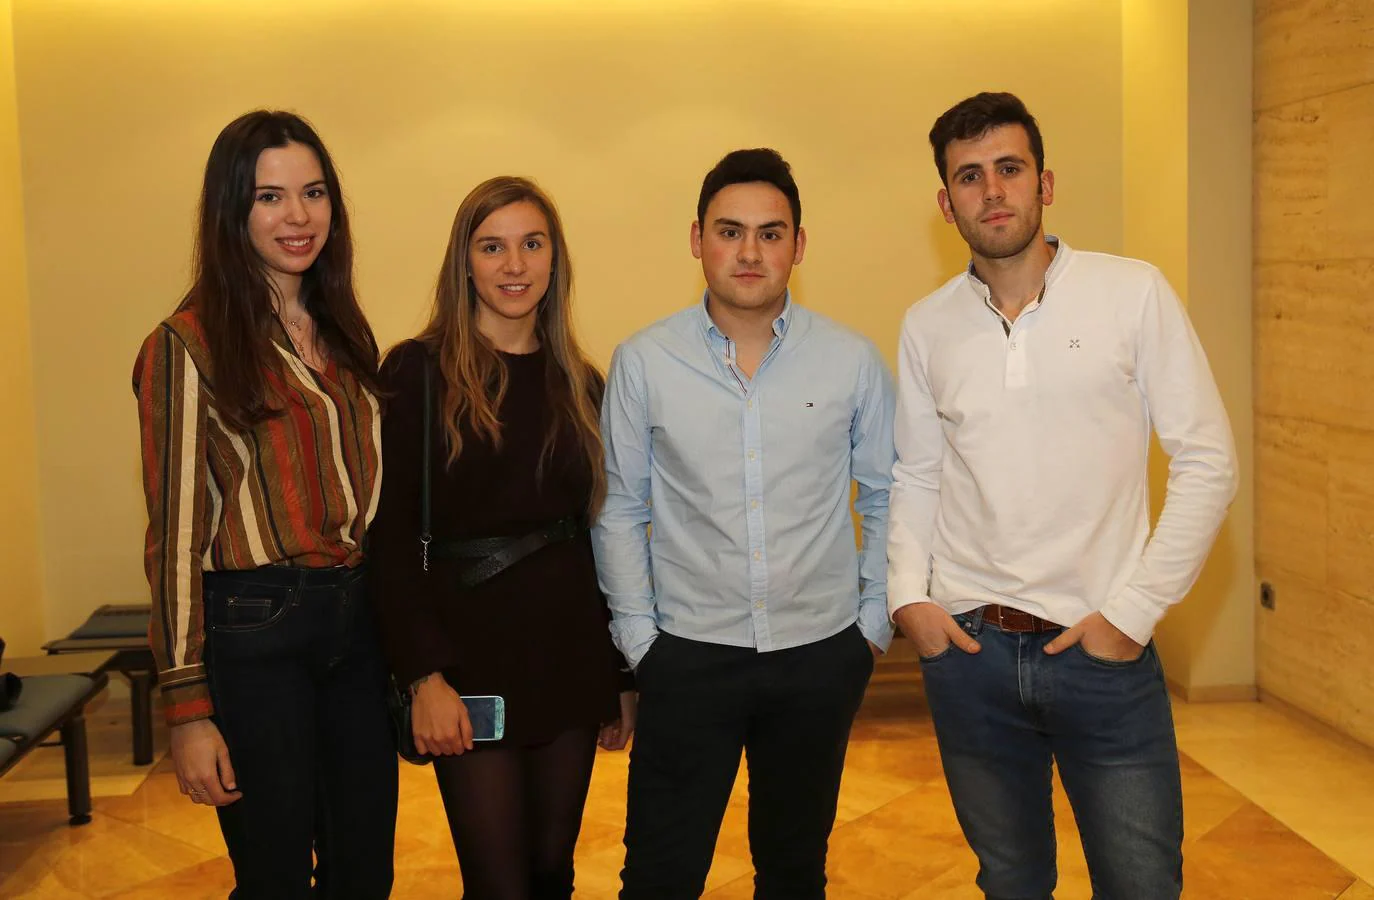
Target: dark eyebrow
[
  {"x": 969, "y": 167},
  {"x": 277, "y": 187},
  {"x": 731, "y": 223}
]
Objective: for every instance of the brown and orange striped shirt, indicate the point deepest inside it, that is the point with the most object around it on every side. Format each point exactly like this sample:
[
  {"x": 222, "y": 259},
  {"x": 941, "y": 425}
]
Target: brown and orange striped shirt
[{"x": 297, "y": 489}]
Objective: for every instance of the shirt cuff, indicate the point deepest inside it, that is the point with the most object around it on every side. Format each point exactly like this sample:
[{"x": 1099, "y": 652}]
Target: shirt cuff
[
  {"x": 1133, "y": 615},
  {"x": 187, "y": 701},
  {"x": 894, "y": 604},
  {"x": 633, "y": 635},
  {"x": 874, "y": 623},
  {"x": 906, "y": 589}
]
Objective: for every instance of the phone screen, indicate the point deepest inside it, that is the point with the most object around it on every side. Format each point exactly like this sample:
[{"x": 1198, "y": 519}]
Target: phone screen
[{"x": 488, "y": 717}]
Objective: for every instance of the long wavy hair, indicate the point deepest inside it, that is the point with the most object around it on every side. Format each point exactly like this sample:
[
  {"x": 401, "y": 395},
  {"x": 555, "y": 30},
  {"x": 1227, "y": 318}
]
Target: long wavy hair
[
  {"x": 233, "y": 295},
  {"x": 475, "y": 377}
]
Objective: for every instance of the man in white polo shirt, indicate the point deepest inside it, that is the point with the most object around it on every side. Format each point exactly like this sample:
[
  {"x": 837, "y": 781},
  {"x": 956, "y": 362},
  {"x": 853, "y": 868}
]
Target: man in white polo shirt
[{"x": 1020, "y": 558}]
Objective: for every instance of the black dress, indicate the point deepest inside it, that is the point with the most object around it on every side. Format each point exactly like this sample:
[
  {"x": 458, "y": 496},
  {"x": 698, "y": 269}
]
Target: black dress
[{"x": 536, "y": 633}]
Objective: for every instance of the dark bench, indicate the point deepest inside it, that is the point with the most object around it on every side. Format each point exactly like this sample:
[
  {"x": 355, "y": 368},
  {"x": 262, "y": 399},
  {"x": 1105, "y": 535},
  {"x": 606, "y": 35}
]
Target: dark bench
[
  {"x": 47, "y": 704},
  {"x": 124, "y": 630}
]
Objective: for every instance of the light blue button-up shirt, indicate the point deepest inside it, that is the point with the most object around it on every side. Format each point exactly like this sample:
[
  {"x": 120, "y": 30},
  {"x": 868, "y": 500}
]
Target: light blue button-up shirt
[{"x": 746, "y": 484}]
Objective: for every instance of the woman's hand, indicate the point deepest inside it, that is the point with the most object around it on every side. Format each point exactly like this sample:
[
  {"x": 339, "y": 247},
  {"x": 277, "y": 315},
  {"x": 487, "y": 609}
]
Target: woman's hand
[
  {"x": 202, "y": 763},
  {"x": 439, "y": 718},
  {"x": 615, "y": 735}
]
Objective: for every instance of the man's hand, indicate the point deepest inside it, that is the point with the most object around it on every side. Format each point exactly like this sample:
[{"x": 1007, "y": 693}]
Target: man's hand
[
  {"x": 932, "y": 629},
  {"x": 202, "y": 763},
  {"x": 439, "y": 718},
  {"x": 1100, "y": 638}
]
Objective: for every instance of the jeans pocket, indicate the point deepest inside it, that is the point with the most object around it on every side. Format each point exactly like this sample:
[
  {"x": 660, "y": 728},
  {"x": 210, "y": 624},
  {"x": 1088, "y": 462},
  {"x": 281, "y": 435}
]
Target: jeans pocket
[
  {"x": 943, "y": 654},
  {"x": 247, "y": 607},
  {"x": 1111, "y": 663},
  {"x": 964, "y": 621}
]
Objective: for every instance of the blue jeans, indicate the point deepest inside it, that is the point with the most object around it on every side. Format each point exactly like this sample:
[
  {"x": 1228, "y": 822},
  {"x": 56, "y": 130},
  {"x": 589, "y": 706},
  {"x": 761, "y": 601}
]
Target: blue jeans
[
  {"x": 1004, "y": 716},
  {"x": 299, "y": 690}
]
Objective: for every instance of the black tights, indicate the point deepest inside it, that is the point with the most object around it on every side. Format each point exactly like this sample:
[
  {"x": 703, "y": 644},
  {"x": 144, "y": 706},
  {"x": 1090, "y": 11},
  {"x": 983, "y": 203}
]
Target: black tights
[{"x": 514, "y": 813}]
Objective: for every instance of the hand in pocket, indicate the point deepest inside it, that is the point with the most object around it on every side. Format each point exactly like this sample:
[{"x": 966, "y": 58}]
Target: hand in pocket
[{"x": 932, "y": 629}]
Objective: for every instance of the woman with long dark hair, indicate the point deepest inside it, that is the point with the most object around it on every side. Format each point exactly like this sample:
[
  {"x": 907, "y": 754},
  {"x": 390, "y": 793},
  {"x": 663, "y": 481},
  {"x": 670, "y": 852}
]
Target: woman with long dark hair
[
  {"x": 261, "y": 469},
  {"x": 500, "y": 597}
]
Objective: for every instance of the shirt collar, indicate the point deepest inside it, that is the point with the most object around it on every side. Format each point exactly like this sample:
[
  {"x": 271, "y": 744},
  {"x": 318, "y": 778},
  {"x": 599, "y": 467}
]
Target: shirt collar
[{"x": 780, "y": 324}]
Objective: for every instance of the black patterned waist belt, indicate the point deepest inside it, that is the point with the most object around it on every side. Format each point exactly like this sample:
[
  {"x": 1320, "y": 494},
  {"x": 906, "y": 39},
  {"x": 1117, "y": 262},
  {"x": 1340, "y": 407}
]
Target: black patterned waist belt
[{"x": 492, "y": 556}]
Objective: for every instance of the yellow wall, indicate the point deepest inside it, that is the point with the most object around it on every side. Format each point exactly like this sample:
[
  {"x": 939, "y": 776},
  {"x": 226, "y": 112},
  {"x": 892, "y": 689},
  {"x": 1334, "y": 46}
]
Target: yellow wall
[
  {"x": 1186, "y": 205},
  {"x": 21, "y": 607},
  {"x": 1220, "y": 612},
  {"x": 1314, "y": 320},
  {"x": 619, "y": 108},
  {"x": 1154, "y": 204}
]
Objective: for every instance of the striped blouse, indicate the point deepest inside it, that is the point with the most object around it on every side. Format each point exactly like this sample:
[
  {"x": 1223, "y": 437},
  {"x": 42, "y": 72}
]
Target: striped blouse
[{"x": 297, "y": 489}]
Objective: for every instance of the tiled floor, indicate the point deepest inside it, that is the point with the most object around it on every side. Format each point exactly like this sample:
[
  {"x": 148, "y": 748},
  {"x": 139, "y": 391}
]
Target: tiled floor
[{"x": 1272, "y": 792}]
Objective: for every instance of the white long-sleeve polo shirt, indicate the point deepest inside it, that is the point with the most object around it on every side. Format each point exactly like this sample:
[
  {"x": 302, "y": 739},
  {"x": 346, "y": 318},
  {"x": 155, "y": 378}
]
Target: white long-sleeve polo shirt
[{"x": 1022, "y": 448}]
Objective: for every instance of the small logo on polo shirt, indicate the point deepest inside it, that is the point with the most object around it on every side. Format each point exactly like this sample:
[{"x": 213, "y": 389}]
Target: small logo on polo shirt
[
  {"x": 1073, "y": 344},
  {"x": 808, "y": 405}
]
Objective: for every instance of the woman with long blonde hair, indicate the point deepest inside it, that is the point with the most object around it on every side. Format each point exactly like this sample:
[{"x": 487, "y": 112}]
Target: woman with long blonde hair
[{"x": 498, "y": 595}]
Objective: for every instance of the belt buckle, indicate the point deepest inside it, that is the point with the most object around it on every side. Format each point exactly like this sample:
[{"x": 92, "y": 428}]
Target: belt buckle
[{"x": 1015, "y": 620}]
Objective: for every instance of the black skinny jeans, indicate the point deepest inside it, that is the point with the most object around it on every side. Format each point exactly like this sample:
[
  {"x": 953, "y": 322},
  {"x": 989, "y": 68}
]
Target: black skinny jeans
[{"x": 298, "y": 685}]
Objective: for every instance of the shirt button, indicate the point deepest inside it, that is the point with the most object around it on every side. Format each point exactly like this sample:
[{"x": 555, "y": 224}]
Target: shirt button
[
  {"x": 758, "y": 604},
  {"x": 752, "y": 455},
  {"x": 753, "y": 504},
  {"x": 1013, "y": 345},
  {"x": 750, "y": 404},
  {"x": 757, "y": 556}
]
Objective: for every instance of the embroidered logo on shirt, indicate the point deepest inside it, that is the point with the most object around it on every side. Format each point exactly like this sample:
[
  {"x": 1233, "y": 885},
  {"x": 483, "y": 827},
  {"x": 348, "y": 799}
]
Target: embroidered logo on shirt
[
  {"x": 808, "y": 405},
  {"x": 1073, "y": 344}
]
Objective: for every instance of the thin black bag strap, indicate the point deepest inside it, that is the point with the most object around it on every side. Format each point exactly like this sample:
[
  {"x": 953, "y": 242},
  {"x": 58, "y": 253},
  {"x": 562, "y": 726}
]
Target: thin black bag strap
[{"x": 427, "y": 417}]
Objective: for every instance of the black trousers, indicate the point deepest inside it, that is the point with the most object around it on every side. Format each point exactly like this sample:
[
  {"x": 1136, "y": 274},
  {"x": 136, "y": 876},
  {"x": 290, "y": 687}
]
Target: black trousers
[
  {"x": 700, "y": 705},
  {"x": 298, "y": 685}
]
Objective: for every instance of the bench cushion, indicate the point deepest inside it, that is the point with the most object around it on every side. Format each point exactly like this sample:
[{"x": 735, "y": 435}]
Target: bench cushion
[
  {"x": 44, "y": 700},
  {"x": 115, "y": 622}
]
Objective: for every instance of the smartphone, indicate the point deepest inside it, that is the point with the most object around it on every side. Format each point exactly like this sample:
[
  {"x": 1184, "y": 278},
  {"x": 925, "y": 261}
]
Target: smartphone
[{"x": 488, "y": 717}]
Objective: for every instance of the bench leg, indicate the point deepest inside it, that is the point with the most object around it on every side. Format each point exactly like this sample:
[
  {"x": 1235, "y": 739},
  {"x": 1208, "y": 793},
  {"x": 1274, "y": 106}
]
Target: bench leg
[
  {"x": 141, "y": 712},
  {"x": 78, "y": 770}
]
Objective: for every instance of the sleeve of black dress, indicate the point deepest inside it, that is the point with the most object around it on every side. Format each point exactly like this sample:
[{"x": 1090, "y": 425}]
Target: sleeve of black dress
[{"x": 407, "y": 596}]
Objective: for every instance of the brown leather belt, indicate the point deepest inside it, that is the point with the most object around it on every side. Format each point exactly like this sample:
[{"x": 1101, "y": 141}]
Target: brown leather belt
[{"x": 1014, "y": 620}]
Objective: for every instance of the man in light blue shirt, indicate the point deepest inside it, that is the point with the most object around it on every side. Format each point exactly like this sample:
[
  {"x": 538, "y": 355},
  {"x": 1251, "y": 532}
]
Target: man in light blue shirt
[{"x": 734, "y": 431}]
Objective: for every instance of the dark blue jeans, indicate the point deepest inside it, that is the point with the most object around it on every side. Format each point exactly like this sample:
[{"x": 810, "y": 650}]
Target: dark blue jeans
[
  {"x": 1005, "y": 715},
  {"x": 298, "y": 685}
]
